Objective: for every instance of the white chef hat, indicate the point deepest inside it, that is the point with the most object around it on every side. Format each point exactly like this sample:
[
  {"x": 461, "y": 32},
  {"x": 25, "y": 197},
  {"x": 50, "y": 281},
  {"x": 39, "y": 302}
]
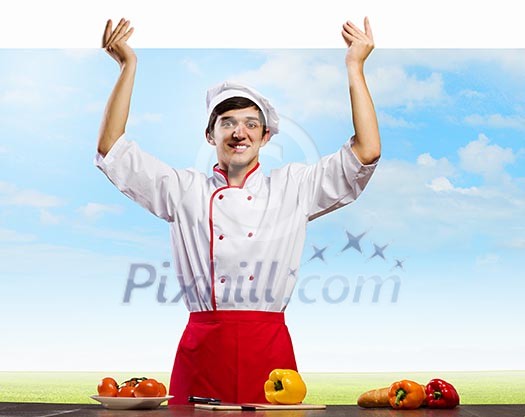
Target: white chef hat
[{"x": 228, "y": 89}]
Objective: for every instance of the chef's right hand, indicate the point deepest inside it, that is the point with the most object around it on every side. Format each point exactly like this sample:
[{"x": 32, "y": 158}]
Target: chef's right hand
[{"x": 115, "y": 42}]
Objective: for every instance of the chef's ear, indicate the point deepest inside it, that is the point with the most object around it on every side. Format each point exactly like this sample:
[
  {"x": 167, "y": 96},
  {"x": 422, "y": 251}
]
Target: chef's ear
[
  {"x": 266, "y": 138},
  {"x": 209, "y": 137}
]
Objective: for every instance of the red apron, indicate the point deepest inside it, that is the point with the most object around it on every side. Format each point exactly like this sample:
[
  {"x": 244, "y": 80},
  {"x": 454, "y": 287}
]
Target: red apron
[{"x": 228, "y": 354}]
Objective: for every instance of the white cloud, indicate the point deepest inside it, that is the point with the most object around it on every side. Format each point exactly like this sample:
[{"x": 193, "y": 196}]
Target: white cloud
[
  {"x": 6, "y": 187},
  {"x": 311, "y": 84},
  {"x": 33, "y": 90},
  {"x": 93, "y": 211},
  {"x": 138, "y": 238},
  {"x": 11, "y": 195},
  {"x": 387, "y": 120},
  {"x": 430, "y": 167},
  {"x": 7, "y": 235},
  {"x": 488, "y": 260},
  {"x": 440, "y": 184},
  {"x": 426, "y": 160},
  {"x": 21, "y": 97},
  {"x": 48, "y": 218},
  {"x": 510, "y": 61},
  {"x": 517, "y": 243},
  {"x": 95, "y": 106},
  {"x": 443, "y": 184},
  {"x": 81, "y": 54},
  {"x": 33, "y": 198},
  {"x": 409, "y": 202},
  {"x": 191, "y": 66},
  {"x": 318, "y": 85},
  {"x": 135, "y": 119},
  {"x": 442, "y": 60},
  {"x": 471, "y": 94},
  {"x": 487, "y": 160},
  {"x": 496, "y": 121},
  {"x": 394, "y": 87}
]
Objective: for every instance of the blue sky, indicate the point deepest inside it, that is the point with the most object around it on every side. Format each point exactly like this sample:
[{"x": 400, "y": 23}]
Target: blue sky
[{"x": 448, "y": 198}]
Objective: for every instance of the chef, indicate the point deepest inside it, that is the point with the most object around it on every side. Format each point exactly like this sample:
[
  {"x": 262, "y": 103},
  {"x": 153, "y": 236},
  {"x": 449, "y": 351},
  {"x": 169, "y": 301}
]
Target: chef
[{"x": 237, "y": 235}]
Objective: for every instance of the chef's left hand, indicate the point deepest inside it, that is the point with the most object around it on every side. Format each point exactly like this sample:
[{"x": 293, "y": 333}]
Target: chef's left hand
[{"x": 360, "y": 43}]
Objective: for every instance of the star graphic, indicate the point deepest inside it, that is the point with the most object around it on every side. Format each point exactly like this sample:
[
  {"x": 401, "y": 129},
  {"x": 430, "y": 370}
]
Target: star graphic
[
  {"x": 378, "y": 251},
  {"x": 399, "y": 264},
  {"x": 318, "y": 253},
  {"x": 292, "y": 271},
  {"x": 353, "y": 242}
]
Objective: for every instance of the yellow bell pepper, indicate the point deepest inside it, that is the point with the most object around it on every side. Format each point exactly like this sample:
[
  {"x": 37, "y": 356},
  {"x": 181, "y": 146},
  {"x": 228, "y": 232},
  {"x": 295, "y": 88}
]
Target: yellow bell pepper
[{"x": 284, "y": 386}]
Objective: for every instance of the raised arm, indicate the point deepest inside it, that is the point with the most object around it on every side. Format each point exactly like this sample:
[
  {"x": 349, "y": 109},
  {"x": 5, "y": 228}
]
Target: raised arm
[
  {"x": 367, "y": 143},
  {"x": 117, "y": 108}
]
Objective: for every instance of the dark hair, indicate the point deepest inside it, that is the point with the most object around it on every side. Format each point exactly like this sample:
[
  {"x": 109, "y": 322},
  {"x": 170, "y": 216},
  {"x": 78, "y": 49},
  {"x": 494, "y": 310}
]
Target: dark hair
[{"x": 233, "y": 103}]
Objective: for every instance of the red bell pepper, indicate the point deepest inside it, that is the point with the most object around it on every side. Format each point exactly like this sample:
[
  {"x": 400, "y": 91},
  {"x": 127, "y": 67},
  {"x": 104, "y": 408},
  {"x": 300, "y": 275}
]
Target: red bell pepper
[{"x": 441, "y": 394}]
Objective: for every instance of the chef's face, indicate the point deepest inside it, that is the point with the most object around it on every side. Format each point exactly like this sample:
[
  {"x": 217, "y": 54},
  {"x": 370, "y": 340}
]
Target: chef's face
[{"x": 238, "y": 135}]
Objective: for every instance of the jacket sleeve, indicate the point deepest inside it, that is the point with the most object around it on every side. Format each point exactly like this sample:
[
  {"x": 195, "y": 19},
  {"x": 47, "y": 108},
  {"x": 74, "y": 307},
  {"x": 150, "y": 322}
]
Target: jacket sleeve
[
  {"x": 146, "y": 180},
  {"x": 333, "y": 182}
]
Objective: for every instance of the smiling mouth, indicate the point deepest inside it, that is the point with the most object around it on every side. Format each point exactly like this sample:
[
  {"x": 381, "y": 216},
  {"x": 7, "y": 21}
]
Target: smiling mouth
[{"x": 238, "y": 148}]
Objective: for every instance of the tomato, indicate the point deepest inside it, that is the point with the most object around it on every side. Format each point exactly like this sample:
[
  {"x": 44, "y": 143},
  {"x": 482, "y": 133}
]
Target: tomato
[
  {"x": 107, "y": 387},
  {"x": 126, "y": 391},
  {"x": 162, "y": 390},
  {"x": 147, "y": 388}
]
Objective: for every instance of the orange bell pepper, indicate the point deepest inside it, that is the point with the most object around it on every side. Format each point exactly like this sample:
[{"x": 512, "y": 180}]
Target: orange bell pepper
[{"x": 406, "y": 394}]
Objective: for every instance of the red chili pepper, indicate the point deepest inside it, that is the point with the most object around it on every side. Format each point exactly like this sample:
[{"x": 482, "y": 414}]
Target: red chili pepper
[{"x": 441, "y": 394}]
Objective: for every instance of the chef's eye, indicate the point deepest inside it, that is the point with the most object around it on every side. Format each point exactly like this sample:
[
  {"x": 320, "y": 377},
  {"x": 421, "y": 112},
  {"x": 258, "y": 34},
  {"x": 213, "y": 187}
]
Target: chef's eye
[
  {"x": 252, "y": 125},
  {"x": 226, "y": 123}
]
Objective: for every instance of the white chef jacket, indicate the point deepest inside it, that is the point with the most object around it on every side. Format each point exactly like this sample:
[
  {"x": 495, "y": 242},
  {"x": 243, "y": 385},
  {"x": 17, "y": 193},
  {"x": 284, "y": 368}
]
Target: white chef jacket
[{"x": 236, "y": 247}]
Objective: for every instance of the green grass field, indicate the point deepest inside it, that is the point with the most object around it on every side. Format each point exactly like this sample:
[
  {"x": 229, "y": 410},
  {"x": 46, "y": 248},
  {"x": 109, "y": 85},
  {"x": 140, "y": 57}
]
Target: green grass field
[{"x": 498, "y": 387}]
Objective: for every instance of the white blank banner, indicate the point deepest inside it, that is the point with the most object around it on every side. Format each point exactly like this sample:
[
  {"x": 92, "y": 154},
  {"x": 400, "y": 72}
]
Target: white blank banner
[{"x": 264, "y": 24}]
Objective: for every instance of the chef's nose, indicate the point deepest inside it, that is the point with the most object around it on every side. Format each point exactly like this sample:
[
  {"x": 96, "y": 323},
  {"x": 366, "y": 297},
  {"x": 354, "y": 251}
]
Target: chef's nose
[{"x": 240, "y": 131}]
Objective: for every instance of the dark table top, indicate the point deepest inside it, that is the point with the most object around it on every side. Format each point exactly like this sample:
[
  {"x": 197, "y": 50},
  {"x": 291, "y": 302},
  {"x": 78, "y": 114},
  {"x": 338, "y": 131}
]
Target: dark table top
[{"x": 95, "y": 410}]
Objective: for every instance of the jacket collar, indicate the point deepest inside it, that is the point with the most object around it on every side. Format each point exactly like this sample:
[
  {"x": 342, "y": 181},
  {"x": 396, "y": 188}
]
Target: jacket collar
[{"x": 251, "y": 179}]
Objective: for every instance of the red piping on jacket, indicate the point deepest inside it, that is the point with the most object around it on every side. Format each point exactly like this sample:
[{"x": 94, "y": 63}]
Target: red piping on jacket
[{"x": 210, "y": 221}]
